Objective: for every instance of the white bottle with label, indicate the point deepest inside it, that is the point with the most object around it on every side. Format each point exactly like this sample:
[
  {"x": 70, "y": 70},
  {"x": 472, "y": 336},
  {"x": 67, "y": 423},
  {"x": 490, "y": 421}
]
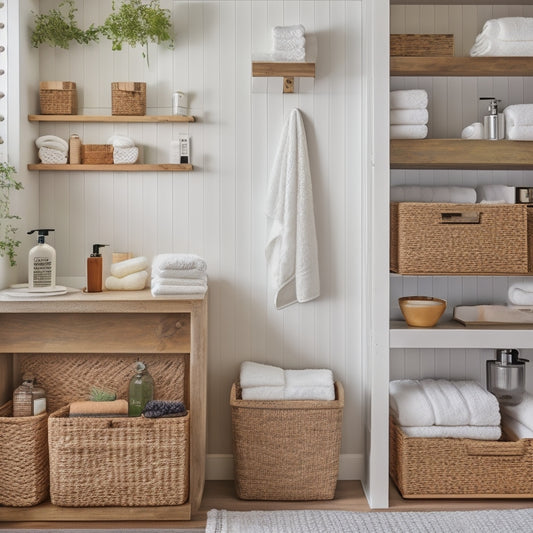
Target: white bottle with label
[{"x": 41, "y": 263}]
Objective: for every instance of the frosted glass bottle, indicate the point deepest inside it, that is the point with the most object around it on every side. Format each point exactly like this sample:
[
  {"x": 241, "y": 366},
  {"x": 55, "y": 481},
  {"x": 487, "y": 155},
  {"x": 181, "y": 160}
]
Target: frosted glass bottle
[
  {"x": 141, "y": 390},
  {"x": 29, "y": 399}
]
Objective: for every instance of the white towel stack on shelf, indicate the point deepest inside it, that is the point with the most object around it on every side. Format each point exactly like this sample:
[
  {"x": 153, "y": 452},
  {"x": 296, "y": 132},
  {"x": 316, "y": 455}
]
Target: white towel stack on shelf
[
  {"x": 124, "y": 150},
  {"x": 174, "y": 274},
  {"x": 408, "y": 114},
  {"x": 442, "y": 408},
  {"x": 519, "y": 418},
  {"x": 52, "y": 150},
  {"x": 266, "y": 382},
  {"x": 520, "y": 293},
  {"x": 519, "y": 122},
  {"x": 507, "y": 36},
  {"x": 128, "y": 275},
  {"x": 288, "y": 43}
]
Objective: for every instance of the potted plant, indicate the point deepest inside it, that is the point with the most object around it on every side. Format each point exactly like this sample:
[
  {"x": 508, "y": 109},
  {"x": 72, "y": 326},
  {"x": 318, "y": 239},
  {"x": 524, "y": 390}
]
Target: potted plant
[{"x": 8, "y": 241}]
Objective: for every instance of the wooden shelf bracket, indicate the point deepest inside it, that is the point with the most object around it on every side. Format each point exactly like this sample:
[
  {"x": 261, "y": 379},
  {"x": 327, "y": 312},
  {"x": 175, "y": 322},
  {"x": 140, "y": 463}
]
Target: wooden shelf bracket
[{"x": 287, "y": 71}]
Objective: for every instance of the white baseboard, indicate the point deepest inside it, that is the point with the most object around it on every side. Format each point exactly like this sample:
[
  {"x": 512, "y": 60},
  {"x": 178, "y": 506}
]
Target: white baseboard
[{"x": 220, "y": 466}]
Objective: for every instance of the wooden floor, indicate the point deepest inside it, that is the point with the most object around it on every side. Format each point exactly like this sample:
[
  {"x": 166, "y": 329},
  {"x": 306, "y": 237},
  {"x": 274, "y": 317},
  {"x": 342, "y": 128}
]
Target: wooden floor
[{"x": 221, "y": 495}]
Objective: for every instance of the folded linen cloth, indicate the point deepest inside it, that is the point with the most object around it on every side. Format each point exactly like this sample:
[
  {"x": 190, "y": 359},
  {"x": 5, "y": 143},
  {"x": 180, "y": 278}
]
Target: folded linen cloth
[
  {"x": 92, "y": 408},
  {"x": 294, "y": 43},
  {"x": 166, "y": 290},
  {"x": 496, "y": 193},
  {"x": 455, "y": 432},
  {"x": 408, "y": 403},
  {"x": 288, "y": 32},
  {"x": 507, "y": 36},
  {"x": 312, "y": 377},
  {"x": 194, "y": 273},
  {"x": 309, "y": 393},
  {"x": 180, "y": 282},
  {"x": 421, "y": 193},
  {"x": 289, "y": 55},
  {"x": 521, "y": 431},
  {"x": 131, "y": 282},
  {"x": 129, "y": 266},
  {"x": 409, "y": 116},
  {"x": 179, "y": 262},
  {"x": 408, "y": 131},
  {"x": 263, "y": 393},
  {"x": 519, "y": 133},
  {"x": 523, "y": 412},
  {"x": 521, "y": 293},
  {"x": 518, "y": 115},
  {"x": 409, "y": 99},
  {"x": 164, "y": 409},
  {"x": 260, "y": 375}
]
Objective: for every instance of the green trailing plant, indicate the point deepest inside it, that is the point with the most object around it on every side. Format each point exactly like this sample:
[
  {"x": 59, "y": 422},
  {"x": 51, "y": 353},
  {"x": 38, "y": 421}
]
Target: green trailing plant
[
  {"x": 8, "y": 242},
  {"x": 102, "y": 395},
  {"x": 59, "y": 27}
]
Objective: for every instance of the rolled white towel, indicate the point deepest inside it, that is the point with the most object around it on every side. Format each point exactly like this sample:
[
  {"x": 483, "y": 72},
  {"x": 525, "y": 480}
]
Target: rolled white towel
[
  {"x": 455, "y": 432},
  {"x": 129, "y": 266},
  {"x": 295, "y": 43},
  {"x": 408, "y": 131},
  {"x": 180, "y": 282},
  {"x": 52, "y": 141},
  {"x": 518, "y": 115},
  {"x": 427, "y": 193},
  {"x": 289, "y": 55},
  {"x": 521, "y": 293},
  {"x": 473, "y": 131},
  {"x": 131, "y": 282},
  {"x": 288, "y": 32},
  {"x": 263, "y": 393},
  {"x": 409, "y": 116},
  {"x": 408, "y": 403},
  {"x": 309, "y": 393},
  {"x": 521, "y": 431},
  {"x": 523, "y": 412},
  {"x": 319, "y": 377},
  {"x": 496, "y": 193},
  {"x": 260, "y": 375},
  {"x": 121, "y": 141},
  {"x": 507, "y": 36},
  {"x": 194, "y": 273},
  {"x": 409, "y": 99},
  {"x": 179, "y": 262},
  {"x": 519, "y": 133}
]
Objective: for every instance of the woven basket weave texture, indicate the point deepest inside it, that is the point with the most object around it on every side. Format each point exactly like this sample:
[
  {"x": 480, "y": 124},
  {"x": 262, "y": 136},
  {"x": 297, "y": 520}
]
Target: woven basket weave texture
[
  {"x": 58, "y": 98},
  {"x": 23, "y": 458},
  {"x": 96, "y": 154},
  {"x": 286, "y": 450},
  {"x": 439, "y": 467},
  {"x": 128, "y": 98},
  {"x": 421, "y": 45}
]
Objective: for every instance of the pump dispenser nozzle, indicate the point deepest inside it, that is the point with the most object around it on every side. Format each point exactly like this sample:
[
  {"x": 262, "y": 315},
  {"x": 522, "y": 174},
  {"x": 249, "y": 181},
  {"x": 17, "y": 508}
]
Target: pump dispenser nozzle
[
  {"x": 96, "y": 250},
  {"x": 42, "y": 233}
]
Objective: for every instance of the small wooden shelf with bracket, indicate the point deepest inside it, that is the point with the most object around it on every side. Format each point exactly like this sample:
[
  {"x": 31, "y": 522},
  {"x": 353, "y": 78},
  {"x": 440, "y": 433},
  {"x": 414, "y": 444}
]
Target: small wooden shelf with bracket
[
  {"x": 287, "y": 71},
  {"x": 111, "y": 118},
  {"x": 161, "y": 167}
]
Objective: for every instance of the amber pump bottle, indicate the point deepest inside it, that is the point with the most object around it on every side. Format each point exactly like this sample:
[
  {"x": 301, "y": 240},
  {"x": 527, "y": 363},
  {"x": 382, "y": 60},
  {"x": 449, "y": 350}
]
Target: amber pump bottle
[{"x": 94, "y": 269}]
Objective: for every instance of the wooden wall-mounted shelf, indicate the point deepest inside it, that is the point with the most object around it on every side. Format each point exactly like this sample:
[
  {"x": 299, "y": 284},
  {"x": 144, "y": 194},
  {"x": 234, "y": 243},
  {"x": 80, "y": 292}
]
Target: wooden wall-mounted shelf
[
  {"x": 110, "y": 118},
  {"x": 461, "y": 154},
  {"x": 288, "y": 71},
  {"x": 137, "y": 167}
]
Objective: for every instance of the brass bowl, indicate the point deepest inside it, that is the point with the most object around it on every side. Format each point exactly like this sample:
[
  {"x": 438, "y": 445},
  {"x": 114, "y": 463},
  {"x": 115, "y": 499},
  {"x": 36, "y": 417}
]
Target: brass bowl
[{"x": 422, "y": 311}]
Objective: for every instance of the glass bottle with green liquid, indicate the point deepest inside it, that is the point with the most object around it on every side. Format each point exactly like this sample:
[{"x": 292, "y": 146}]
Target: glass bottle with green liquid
[{"x": 141, "y": 390}]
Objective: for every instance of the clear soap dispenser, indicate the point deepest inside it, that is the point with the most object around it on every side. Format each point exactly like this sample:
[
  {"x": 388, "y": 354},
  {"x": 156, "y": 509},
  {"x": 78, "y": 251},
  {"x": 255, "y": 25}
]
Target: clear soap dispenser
[
  {"x": 493, "y": 123},
  {"x": 141, "y": 390},
  {"x": 506, "y": 376}
]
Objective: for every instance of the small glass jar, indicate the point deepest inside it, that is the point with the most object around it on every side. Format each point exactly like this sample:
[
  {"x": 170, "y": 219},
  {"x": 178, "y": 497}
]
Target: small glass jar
[{"x": 29, "y": 399}]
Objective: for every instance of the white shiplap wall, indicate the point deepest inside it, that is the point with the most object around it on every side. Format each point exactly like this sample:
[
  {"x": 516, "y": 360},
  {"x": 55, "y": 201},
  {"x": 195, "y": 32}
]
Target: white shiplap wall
[
  {"x": 453, "y": 104},
  {"x": 217, "y": 210}
]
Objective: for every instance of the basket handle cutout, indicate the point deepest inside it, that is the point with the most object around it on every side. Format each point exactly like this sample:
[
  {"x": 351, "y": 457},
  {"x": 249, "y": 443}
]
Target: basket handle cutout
[
  {"x": 460, "y": 218},
  {"x": 496, "y": 448}
]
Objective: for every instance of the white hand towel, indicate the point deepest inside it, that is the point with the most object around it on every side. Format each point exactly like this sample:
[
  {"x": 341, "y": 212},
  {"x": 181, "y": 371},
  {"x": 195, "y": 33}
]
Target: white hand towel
[
  {"x": 131, "y": 282},
  {"x": 521, "y": 431},
  {"x": 521, "y": 293},
  {"x": 496, "y": 193},
  {"x": 409, "y": 404},
  {"x": 409, "y": 116},
  {"x": 421, "y": 193},
  {"x": 473, "y": 131},
  {"x": 121, "y": 141},
  {"x": 165, "y": 290},
  {"x": 289, "y": 55},
  {"x": 179, "y": 262},
  {"x": 319, "y": 377},
  {"x": 263, "y": 393},
  {"x": 455, "y": 432},
  {"x": 408, "y": 131},
  {"x": 260, "y": 375},
  {"x": 52, "y": 141},
  {"x": 295, "y": 43},
  {"x": 179, "y": 282},
  {"x": 447, "y": 402},
  {"x": 518, "y": 115},
  {"x": 482, "y": 405},
  {"x": 507, "y": 36},
  {"x": 129, "y": 266},
  {"x": 523, "y": 412},
  {"x": 194, "y": 273},
  {"x": 288, "y": 32},
  {"x": 309, "y": 393},
  {"x": 409, "y": 99},
  {"x": 292, "y": 250},
  {"x": 519, "y": 133}
]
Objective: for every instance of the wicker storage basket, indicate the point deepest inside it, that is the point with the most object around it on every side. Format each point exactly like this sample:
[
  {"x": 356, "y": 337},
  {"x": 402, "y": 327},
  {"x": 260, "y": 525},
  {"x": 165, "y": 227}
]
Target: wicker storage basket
[
  {"x": 23, "y": 458},
  {"x": 96, "y": 154},
  {"x": 461, "y": 468},
  {"x": 118, "y": 461},
  {"x": 441, "y": 238},
  {"x": 58, "y": 98},
  {"x": 286, "y": 450},
  {"x": 421, "y": 45},
  {"x": 128, "y": 98}
]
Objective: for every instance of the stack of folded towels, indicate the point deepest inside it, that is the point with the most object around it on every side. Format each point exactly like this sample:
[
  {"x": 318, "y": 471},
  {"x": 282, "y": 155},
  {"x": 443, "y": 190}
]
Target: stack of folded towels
[
  {"x": 178, "y": 274},
  {"x": 519, "y": 418},
  {"x": 520, "y": 293},
  {"x": 442, "y": 408},
  {"x": 519, "y": 122},
  {"x": 129, "y": 275},
  {"x": 124, "y": 150},
  {"x": 266, "y": 382},
  {"x": 52, "y": 150},
  {"x": 482, "y": 194},
  {"x": 409, "y": 114},
  {"x": 508, "y": 36},
  {"x": 288, "y": 43}
]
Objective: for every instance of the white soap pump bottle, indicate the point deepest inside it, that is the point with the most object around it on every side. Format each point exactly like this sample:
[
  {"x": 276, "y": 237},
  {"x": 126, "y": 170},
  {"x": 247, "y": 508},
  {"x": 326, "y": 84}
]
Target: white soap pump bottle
[{"x": 41, "y": 262}]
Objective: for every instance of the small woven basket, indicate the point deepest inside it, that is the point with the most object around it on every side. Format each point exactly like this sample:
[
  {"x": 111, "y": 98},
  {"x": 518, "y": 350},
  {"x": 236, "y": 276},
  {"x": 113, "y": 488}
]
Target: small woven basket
[
  {"x": 287, "y": 449},
  {"x": 128, "y": 98},
  {"x": 58, "y": 98},
  {"x": 125, "y": 156},
  {"x": 23, "y": 458},
  {"x": 96, "y": 154},
  {"x": 421, "y": 45},
  {"x": 49, "y": 156},
  {"x": 97, "y": 462}
]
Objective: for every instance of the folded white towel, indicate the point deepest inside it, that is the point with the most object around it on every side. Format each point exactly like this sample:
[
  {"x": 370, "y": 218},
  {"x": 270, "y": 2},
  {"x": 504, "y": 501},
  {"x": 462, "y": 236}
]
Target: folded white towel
[
  {"x": 193, "y": 273},
  {"x": 129, "y": 266},
  {"x": 179, "y": 282},
  {"x": 165, "y": 290},
  {"x": 263, "y": 393},
  {"x": 421, "y": 193},
  {"x": 521, "y": 431},
  {"x": 408, "y": 403},
  {"x": 455, "y": 432},
  {"x": 496, "y": 193},
  {"x": 473, "y": 131},
  {"x": 519, "y": 133},
  {"x": 259, "y": 375},
  {"x": 521, "y": 293},
  {"x": 408, "y": 131},
  {"x": 409, "y": 116},
  {"x": 446, "y": 401},
  {"x": 518, "y": 115},
  {"x": 289, "y": 55},
  {"x": 507, "y": 36},
  {"x": 309, "y": 393},
  {"x": 409, "y": 99},
  {"x": 523, "y": 412},
  {"x": 482, "y": 406},
  {"x": 179, "y": 262},
  {"x": 288, "y": 32},
  {"x": 131, "y": 282},
  {"x": 53, "y": 142},
  {"x": 315, "y": 377},
  {"x": 295, "y": 43},
  {"x": 121, "y": 141}
]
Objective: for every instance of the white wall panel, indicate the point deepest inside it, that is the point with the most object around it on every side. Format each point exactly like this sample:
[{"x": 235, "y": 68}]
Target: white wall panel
[{"x": 217, "y": 210}]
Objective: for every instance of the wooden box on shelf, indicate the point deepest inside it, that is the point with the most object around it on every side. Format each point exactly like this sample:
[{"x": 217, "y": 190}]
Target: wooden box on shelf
[
  {"x": 96, "y": 154},
  {"x": 421, "y": 45}
]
